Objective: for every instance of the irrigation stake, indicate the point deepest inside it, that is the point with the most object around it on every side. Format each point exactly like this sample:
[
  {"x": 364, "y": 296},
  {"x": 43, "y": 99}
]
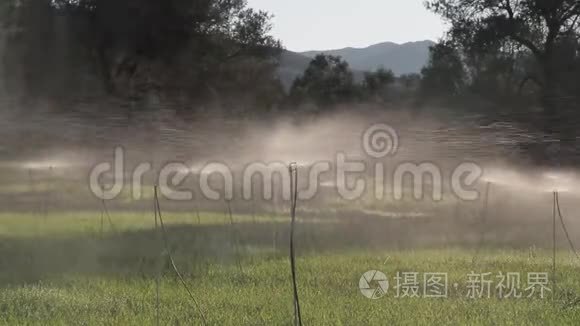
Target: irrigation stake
[
  {"x": 102, "y": 218},
  {"x": 555, "y": 198},
  {"x": 483, "y": 221},
  {"x": 234, "y": 238},
  {"x": 274, "y": 234},
  {"x": 31, "y": 180},
  {"x": 170, "y": 256},
  {"x": 106, "y": 211},
  {"x": 47, "y": 194},
  {"x": 197, "y": 214},
  {"x": 293, "y": 169},
  {"x": 457, "y": 220},
  {"x": 565, "y": 228},
  {"x": 253, "y": 211},
  {"x": 158, "y": 271},
  {"x": 557, "y": 211},
  {"x": 484, "y": 213}
]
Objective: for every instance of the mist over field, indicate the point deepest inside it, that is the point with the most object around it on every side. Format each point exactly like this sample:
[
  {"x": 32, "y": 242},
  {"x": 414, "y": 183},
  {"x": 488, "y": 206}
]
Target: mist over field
[
  {"x": 67, "y": 147},
  {"x": 172, "y": 162}
]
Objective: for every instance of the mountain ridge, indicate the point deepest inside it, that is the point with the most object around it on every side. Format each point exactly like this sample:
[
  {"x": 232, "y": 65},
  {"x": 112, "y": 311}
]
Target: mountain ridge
[
  {"x": 381, "y": 44},
  {"x": 404, "y": 58}
]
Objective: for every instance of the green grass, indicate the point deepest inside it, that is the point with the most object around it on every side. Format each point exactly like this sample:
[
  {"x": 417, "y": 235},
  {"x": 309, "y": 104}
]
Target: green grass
[
  {"x": 62, "y": 271},
  {"x": 89, "y": 222}
]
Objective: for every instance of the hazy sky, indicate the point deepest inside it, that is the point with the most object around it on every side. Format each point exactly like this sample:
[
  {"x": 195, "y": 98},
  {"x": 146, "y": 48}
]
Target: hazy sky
[{"x": 330, "y": 24}]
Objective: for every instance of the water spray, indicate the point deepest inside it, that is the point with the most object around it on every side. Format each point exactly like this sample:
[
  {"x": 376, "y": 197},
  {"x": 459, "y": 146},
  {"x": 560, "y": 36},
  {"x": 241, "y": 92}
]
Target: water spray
[
  {"x": 31, "y": 180},
  {"x": 483, "y": 220},
  {"x": 47, "y": 193},
  {"x": 484, "y": 213}
]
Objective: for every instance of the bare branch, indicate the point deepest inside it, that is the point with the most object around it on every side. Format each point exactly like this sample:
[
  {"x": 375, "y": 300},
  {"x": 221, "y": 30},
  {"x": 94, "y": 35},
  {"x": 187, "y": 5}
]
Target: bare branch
[
  {"x": 568, "y": 13},
  {"x": 528, "y": 44},
  {"x": 510, "y": 10},
  {"x": 528, "y": 78}
]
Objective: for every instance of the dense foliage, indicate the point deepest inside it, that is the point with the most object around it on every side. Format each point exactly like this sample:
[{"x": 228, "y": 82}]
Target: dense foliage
[{"x": 137, "y": 47}]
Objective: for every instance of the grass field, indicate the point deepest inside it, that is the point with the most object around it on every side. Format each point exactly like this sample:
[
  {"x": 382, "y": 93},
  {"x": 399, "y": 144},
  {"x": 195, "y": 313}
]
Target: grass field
[{"x": 65, "y": 269}]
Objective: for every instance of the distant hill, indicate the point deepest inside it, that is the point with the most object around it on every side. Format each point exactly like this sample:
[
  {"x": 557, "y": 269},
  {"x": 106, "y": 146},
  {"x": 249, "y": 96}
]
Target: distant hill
[
  {"x": 291, "y": 66},
  {"x": 400, "y": 58}
]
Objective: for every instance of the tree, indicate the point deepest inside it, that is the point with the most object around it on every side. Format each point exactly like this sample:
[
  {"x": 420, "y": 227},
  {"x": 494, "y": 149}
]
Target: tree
[
  {"x": 375, "y": 83},
  {"x": 133, "y": 47},
  {"x": 327, "y": 80},
  {"x": 410, "y": 81},
  {"x": 536, "y": 26},
  {"x": 444, "y": 74}
]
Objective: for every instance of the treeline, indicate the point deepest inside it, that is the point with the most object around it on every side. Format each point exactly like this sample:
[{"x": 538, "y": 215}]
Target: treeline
[
  {"x": 510, "y": 61},
  {"x": 328, "y": 82},
  {"x": 498, "y": 57},
  {"x": 508, "y": 51},
  {"x": 147, "y": 51},
  {"x": 185, "y": 54},
  {"x": 521, "y": 57}
]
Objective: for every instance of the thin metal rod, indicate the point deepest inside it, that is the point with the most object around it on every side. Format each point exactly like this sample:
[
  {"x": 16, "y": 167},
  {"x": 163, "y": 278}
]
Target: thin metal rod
[
  {"x": 483, "y": 222},
  {"x": 197, "y": 214},
  {"x": 484, "y": 214},
  {"x": 158, "y": 271},
  {"x": 172, "y": 261},
  {"x": 254, "y": 211},
  {"x": 234, "y": 237},
  {"x": 102, "y": 219},
  {"x": 294, "y": 198},
  {"x": 106, "y": 210},
  {"x": 565, "y": 228},
  {"x": 554, "y": 243}
]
